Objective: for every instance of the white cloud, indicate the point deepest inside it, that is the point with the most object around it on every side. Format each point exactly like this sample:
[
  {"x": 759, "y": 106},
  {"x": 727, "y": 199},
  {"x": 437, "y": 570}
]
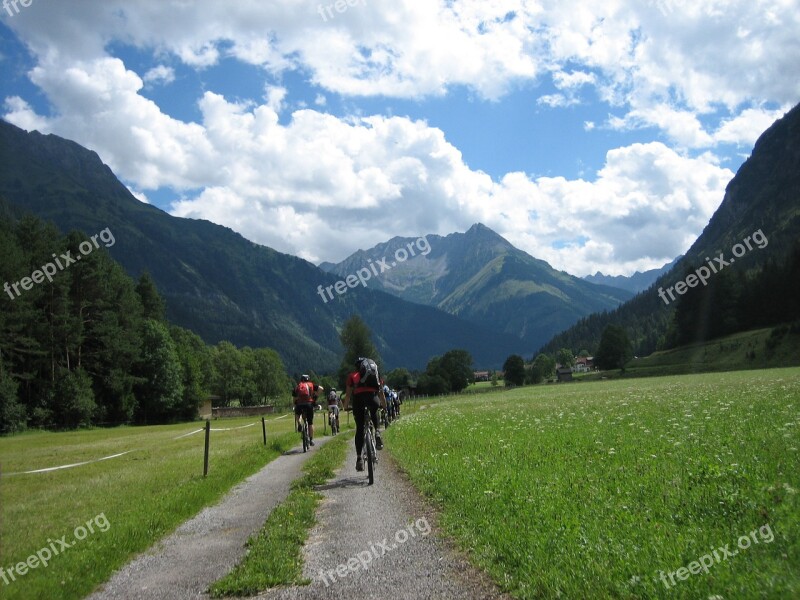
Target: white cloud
[
  {"x": 275, "y": 96},
  {"x": 701, "y": 74},
  {"x": 556, "y": 100},
  {"x": 159, "y": 74},
  {"x": 745, "y": 128},
  {"x": 140, "y": 196}
]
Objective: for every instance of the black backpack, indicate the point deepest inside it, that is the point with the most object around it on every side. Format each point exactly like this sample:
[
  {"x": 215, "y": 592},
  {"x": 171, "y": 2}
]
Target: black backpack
[{"x": 368, "y": 374}]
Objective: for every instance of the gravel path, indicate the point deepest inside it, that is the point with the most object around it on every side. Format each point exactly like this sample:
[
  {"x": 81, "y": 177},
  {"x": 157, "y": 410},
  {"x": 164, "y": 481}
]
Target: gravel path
[
  {"x": 388, "y": 535},
  {"x": 209, "y": 545}
]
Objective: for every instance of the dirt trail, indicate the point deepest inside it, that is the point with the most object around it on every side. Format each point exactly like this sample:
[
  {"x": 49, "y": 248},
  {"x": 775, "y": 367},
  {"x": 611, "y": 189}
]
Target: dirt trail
[
  {"x": 387, "y": 534},
  {"x": 208, "y": 546}
]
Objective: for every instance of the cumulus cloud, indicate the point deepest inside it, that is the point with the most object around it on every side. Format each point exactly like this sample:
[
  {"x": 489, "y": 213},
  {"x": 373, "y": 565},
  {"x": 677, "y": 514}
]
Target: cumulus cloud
[
  {"x": 701, "y": 74},
  {"x": 159, "y": 74}
]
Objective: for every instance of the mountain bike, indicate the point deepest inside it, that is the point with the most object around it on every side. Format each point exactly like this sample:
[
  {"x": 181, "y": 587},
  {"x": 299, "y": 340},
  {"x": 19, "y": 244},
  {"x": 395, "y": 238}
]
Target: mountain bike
[
  {"x": 333, "y": 421},
  {"x": 369, "y": 451},
  {"x": 304, "y": 432}
]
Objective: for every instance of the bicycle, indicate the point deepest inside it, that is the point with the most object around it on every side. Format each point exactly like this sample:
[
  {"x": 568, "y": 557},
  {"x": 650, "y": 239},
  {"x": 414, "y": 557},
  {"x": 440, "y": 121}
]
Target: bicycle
[
  {"x": 304, "y": 432},
  {"x": 333, "y": 421},
  {"x": 369, "y": 451}
]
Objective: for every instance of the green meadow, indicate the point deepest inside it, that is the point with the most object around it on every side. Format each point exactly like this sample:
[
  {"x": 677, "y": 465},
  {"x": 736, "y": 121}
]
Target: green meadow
[
  {"x": 593, "y": 489},
  {"x": 142, "y": 495}
]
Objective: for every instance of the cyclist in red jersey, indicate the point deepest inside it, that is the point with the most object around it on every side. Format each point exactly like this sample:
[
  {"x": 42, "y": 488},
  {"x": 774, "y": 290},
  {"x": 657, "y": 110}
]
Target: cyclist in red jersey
[{"x": 364, "y": 394}]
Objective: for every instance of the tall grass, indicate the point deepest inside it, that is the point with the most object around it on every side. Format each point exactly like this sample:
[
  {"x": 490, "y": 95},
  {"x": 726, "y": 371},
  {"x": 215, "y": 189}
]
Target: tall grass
[{"x": 593, "y": 489}]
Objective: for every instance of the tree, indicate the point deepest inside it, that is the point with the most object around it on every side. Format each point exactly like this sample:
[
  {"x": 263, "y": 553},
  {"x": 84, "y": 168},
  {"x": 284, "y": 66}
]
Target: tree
[
  {"x": 399, "y": 378},
  {"x": 456, "y": 368},
  {"x": 615, "y": 348},
  {"x": 565, "y": 358},
  {"x": 433, "y": 385},
  {"x": 197, "y": 370},
  {"x": 160, "y": 389},
  {"x": 494, "y": 379},
  {"x": 152, "y": 303},
  {"x": 543, "y": 367},
  {"x": 12, "y": 413},
  {"x": 269, "y": 373},
  {"x": 74, "y": 399},
  {"x": 514, "y": 368},
  {"x": 230, "y": 371},
  {"x": 356, "y": 339}
]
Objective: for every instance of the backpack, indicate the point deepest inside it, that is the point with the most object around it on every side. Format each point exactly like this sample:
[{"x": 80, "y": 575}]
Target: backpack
[
  {"x": 368, "y": 374},
  {"x": 303, "y": 391},
  {"x": 333, "y": 398}
]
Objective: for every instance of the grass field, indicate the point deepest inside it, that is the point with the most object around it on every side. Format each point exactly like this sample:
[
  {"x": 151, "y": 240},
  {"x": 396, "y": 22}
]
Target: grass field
[
  {"x": 141, "y": 496},
  {"x": 593, "y": 489}
]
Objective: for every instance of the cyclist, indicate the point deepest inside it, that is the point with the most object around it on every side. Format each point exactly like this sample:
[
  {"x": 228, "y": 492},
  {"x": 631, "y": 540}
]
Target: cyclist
[
  {"x": 333, "y": 406},
  {"x": 364, "y": 394},
  {"x": 397, "y": 402},
  {"x": 304, "y": 398},
  {"x": 389, "y": 405}
]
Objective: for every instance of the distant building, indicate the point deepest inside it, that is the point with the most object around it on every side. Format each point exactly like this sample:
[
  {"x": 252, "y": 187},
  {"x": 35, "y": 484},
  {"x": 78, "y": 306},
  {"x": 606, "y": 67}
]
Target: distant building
[
  {"x": 480, "y": 376},
  {"x": 563, "y": 374},
  {"x": 584, "y": 364}
]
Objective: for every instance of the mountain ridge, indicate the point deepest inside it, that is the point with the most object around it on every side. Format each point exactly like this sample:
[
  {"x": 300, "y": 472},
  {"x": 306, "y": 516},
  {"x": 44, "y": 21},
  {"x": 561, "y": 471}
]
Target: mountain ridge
[
  {"x": 217, "y": 283},
  {"x": 482, "y": 277}
]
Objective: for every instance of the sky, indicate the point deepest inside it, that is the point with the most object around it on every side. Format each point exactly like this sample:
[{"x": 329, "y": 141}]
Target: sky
[{"x": 595, "y": 135}]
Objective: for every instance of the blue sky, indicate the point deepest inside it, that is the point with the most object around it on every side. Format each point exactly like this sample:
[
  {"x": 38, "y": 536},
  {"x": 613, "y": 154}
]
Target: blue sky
[{"x": 593, "y": 135}]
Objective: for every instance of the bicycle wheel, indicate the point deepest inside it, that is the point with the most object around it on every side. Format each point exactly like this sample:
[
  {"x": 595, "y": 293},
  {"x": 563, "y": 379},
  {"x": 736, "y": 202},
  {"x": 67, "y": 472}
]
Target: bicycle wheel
[
  {"x": 370, "y": 446},
  {"x": 305, "y": 436}
]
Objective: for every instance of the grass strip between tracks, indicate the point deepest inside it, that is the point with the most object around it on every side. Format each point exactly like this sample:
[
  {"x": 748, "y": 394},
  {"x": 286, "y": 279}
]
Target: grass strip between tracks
[{"x": 274, "y": 555}]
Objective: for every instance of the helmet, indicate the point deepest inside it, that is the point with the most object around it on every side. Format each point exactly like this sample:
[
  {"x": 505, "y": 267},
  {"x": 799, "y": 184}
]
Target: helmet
[
  {"x": 357, "y": 364},
  {"x": 333, "y": 389},
  {"x": 304, "y": 378}
]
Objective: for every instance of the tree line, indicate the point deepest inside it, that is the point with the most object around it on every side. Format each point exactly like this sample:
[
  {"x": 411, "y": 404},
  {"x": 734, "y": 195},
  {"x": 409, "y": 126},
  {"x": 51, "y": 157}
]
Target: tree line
[{"x": 92, "y": 345}]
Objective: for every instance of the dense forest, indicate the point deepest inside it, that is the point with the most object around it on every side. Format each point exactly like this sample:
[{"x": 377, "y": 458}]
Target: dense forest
[
  {"x": 81, "y": 343},
  {"x": 732, "y": 300}
]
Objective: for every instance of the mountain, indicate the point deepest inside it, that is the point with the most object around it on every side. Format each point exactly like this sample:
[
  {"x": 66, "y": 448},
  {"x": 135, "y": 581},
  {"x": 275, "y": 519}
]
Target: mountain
[
  {"x": 763, "y": 199},
  {"x": 217, "y": 283},
  {"x": 481, "y": 277},
  {"x": 633, "y": 283}
]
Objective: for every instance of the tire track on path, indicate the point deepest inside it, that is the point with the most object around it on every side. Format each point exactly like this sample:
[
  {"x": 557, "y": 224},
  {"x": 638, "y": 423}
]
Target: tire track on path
[
  {"x": 207, "y": 546},
  {"x": 358, "y": 519}
]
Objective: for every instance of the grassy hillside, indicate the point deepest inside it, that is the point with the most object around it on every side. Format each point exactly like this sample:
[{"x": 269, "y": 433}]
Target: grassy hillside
[
  {"x": 759, "y": 349},
  {"x": 610, "y": 489}
]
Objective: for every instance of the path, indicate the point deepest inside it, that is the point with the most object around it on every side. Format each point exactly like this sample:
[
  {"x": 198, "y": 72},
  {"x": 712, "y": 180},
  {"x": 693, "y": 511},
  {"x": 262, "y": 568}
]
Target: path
[
  {"x": 362, "y": 524},
  {"x": 208, "y": 546}
]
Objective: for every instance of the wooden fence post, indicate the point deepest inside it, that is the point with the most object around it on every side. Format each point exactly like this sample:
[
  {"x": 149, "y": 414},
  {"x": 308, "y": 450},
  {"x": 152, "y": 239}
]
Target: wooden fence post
[{"x": 205, "y": 459}]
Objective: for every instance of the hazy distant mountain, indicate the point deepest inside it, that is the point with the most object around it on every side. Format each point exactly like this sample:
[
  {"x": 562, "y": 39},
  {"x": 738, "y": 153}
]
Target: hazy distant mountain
[
  {"x": 632, "y": 283},
  {"x": 217, "y": 283},
  {"x": 480, "y": 276}
]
